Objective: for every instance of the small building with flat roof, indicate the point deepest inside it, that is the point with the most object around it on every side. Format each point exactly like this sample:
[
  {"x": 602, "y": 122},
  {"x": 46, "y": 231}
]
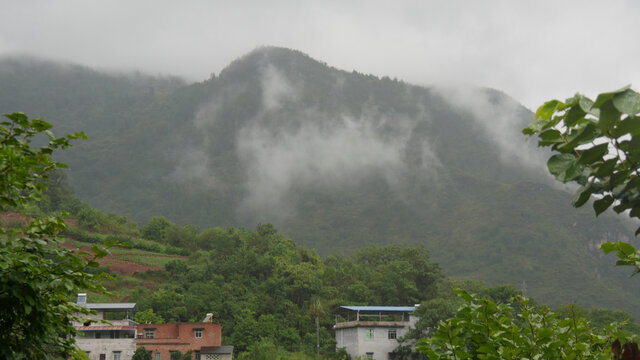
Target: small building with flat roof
[
  {"x": 371, "y": 332},
  {"x": 115, "y": 340}
]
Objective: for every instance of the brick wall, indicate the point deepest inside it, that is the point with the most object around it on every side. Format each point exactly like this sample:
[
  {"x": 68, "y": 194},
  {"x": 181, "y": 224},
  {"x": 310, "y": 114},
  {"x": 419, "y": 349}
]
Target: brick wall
[{"x": 180, "y": 337}]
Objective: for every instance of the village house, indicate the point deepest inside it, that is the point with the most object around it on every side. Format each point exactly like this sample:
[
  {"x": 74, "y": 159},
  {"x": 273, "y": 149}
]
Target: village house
[
  {"x": 121, "y": 336},
  {"x": 202, "y": 339},
  {"x": 371, "y": 332},
  {"x": 102, "y": 341}
]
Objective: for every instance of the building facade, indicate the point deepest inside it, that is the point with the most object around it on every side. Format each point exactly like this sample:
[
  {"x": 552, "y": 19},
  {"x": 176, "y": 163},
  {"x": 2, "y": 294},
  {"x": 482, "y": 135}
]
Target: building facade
[
  {"x": 121, "y": 336},
  {"x": 101, "y": 341},
  {"x": 163, "y": 339},
  {"x": 371, "y": 332}
]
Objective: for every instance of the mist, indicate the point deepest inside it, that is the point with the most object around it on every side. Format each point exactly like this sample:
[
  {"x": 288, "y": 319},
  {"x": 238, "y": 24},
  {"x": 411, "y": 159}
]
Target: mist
[
  {"x": 500, "y": 120},
  {"x": 284, "y": 147}
]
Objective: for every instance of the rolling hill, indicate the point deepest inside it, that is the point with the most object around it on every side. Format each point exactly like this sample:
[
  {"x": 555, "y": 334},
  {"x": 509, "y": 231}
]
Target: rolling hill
[{"x": 335, "y": 159}]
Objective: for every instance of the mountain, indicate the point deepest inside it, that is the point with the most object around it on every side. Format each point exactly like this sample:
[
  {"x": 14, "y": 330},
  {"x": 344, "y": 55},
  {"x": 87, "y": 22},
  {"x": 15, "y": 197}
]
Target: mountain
[{"x": 336, "y": 160}]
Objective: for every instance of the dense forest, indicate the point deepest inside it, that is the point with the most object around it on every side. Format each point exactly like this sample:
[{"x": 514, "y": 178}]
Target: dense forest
[
  {"x": 378, "y": 161},
  {"x": 264, "y": 289}
]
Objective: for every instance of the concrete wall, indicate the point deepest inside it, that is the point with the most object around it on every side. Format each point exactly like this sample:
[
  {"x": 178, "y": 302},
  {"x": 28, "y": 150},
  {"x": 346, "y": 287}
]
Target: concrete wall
[
  {"x": 355, "y": 342},
  {"x": 107, "y": 347},
  {"x": 347, "y": 338}
]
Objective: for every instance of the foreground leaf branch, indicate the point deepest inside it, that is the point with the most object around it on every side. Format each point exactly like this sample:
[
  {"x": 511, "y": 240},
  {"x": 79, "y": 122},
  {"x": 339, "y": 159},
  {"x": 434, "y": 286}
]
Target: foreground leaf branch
[
  {"x": 482, "y": 329},
  {"x": 596, "y": 145},
  {"x": 38, "y": 276}
]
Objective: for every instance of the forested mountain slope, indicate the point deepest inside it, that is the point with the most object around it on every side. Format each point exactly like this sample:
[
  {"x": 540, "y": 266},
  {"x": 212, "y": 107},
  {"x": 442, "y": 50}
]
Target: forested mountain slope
[{"x": 337, "y": 160}]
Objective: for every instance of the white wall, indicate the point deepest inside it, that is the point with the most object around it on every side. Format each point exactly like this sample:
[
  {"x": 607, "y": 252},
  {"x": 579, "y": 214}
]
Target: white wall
[
  {"x": 107, "y": 347},
  {"x": 354, "y": 340}
]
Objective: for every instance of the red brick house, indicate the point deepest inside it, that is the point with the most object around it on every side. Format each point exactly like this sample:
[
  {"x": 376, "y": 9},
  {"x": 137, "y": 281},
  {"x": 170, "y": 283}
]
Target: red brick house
[{"x": 162, "y": 339}]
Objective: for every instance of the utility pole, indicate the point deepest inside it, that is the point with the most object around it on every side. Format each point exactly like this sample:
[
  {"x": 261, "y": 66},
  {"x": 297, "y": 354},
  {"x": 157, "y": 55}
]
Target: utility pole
[{"x": 317, "y": 335}]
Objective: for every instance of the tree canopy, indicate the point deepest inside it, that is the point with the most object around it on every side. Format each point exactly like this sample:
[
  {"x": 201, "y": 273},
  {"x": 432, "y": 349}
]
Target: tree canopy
[{"x": 37, "y": 276}]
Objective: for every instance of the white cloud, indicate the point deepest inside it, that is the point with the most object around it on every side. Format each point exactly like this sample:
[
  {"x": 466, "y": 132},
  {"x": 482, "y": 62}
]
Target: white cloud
[{"x": 532, "y": 50}]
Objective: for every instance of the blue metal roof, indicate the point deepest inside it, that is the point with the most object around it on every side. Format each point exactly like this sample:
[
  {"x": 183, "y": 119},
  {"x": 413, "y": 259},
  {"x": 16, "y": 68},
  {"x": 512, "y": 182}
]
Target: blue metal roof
[{"x": 380, "y": 308}]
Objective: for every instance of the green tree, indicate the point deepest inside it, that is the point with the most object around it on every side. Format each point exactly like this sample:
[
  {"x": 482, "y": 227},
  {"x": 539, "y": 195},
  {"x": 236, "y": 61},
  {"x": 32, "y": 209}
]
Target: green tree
[
  {"x": 37, "y": 276},
  {"x": 184, "y": 237},
  {"x": 596, "y": 145},
  {"x": 156, "y": 228},
  {"x": 483, "y": 329},
  {"x": 177, "y": 355},
  {"x": 142, "y": 354},
  {"x": 148, "y": 317},
  {"x": 245, "y": 330}
]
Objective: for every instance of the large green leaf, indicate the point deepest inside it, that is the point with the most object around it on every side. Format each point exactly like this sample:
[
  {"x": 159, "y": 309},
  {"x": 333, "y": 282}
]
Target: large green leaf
[
  {"x": 586, "y": 104},
  {"x": 583, "y": 136},
  {"x": 574, "y": 114},
  {"x": 594, "y": 153},
  {"x": 609, "y": 116},
  {"x": 549, "y": 137},
  {"x": 536, "y": 126},
  {"x": 627, "y": 102},
  {"x": 630, "y": 125},
  {"x": 582, "y": 195},
  {"x": 602, "y": 204},
  {"x": 604, "y": 97},
  {"x": 564, "y": 167},
  {"x": 606, "y": 168},
  {"x": 547, "y": 109}
]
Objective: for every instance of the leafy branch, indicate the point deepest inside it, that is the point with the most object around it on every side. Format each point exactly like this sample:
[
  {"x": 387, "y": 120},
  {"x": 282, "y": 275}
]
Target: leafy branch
[{"x": 597, "y": 146}]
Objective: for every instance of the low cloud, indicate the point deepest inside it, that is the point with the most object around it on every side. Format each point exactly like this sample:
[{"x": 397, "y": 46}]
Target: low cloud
[
  {"x": 284, "y": 148},
  {"x": 500, "y": 119}
]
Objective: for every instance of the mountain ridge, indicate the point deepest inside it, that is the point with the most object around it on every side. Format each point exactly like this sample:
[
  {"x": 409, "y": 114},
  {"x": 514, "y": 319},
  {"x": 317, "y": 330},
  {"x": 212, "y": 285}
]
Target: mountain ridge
[{"x": 336, "y": 160}]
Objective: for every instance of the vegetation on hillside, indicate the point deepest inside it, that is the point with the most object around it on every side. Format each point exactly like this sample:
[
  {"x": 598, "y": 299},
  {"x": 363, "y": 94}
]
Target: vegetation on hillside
[
  {"x": 596, "y": 145},
  {"x": 266, "y": 289},
  {"x": 263, "y": 288},
  {"x": 420, "y": 167}
]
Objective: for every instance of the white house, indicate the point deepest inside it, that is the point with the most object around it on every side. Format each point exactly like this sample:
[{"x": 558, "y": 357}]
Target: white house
[
  {"x": 113, "y": 341},
  {"x": 371, "y": 332}
]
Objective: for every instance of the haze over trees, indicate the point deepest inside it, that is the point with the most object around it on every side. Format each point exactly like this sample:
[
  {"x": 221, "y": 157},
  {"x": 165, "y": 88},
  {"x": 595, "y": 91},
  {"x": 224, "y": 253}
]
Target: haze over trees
[
  {"x": 597, "y": 145},
  {"x": 337, "y": 161},
  {"x": 376, "y": 161},
  {"x": 263, "y": 288}
]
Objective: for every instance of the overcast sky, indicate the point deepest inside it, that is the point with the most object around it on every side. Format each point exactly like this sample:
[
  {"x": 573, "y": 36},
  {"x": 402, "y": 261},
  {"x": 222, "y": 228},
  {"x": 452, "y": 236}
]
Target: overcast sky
[{"x": 533, "y": 50}]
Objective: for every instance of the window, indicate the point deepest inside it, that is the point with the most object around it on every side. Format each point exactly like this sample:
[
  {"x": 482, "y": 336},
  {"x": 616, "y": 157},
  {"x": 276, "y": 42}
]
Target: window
[
  {"x": 369, "y": 356},
  {"x": 157, "y": 356},
  {"x": 98, "y": 334},
  {"x": 149, "y": 333},
  {"x": 116, "y": 355},
  {"x": 368, "y": 334},
  {"x": 198, "y": 332},
  {"x": 392, "y": 334},
  {"x": 197, "y": 355}
]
